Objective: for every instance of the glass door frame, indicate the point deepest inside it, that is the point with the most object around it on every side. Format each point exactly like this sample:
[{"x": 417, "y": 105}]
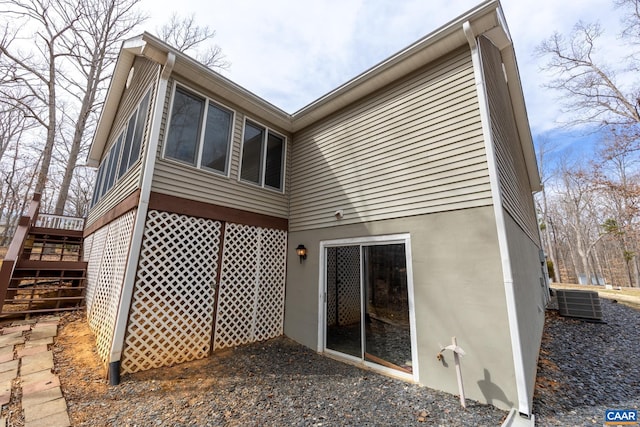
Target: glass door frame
[{"x": 322, "y": 300}]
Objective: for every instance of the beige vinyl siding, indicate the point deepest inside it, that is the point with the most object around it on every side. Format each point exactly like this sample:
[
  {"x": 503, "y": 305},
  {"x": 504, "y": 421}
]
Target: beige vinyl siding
[
  {"x": 182, "y": 180},
  {"x": 515, "y": 187},
  {"x": 414, "y": 148},
  {"x": 144, "y": 79}
]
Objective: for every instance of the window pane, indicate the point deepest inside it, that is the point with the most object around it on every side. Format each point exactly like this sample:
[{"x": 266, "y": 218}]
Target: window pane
[
  {"x": 105, "y": 178},
  {"x": 275, "y": 155},
  {"x": 127, "y": 146},
  {"x": 113, "y": 163},
  {"x": 96, "y": 190},
  {"x": 186, "y": 116},
  {"x": 252, "y": 153},
  {"x": 216, "y": 139},
  {"x": 141, "y": 121},
  {"x": 106, "y": 163}
]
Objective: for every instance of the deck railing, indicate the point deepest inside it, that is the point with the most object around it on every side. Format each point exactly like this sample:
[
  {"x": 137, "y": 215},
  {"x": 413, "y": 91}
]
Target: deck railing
[
  {"x": 60, "y": 222},
  {"x": 15, "y": 248},
  {"x": 32, "y": 219}
]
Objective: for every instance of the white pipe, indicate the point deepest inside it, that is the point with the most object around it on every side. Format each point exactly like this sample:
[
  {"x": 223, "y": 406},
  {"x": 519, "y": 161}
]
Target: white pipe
[
  {"x": 141, "y": 215},
  {"x": 516, "y": 343}
]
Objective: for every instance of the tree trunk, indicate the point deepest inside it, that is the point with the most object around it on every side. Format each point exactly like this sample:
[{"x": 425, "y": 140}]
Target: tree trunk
[
  {"x": 51, "y": 125},
  {"x": 85, "y": 110}
]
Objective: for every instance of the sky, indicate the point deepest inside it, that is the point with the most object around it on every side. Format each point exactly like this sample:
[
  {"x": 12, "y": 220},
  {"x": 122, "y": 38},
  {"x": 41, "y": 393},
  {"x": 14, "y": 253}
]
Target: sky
[{"x": 291, "y": 52}]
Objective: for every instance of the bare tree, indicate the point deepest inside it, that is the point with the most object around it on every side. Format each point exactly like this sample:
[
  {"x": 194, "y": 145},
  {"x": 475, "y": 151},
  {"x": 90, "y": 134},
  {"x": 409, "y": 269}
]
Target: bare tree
[
  {"x": 546, "y": 225},
  {"x": 590, "y": 88},
  {"x": 187, "y": 36},
  {"x": 617, "y": 174},
  {"x": 36, "y": 70},
  {"x": 93, "y": 46},
  {"x": 576, "y": 201},
  {"x": 12, "y": 124}
]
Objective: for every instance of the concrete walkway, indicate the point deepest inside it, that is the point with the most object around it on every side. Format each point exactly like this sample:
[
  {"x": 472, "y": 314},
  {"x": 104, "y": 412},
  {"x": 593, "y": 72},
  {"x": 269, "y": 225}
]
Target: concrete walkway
[{"x": 25, "y": 357}]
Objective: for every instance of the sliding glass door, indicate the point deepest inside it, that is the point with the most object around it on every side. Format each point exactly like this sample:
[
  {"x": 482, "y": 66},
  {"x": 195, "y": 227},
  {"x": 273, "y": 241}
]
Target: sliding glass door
[{"x": 367, "y": 309}]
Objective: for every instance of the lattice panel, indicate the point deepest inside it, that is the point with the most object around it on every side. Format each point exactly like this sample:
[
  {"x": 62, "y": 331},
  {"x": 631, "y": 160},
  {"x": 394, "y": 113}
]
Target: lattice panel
[
  {"x": 331, "y": 286},
  {"x": 271, "y": 283},
  {"x": 86, "y": 247},
  {"x": 251, "y": 293},
  {"x": 106, "y": 298},
  {"x": 348, "y": 276},
  {"x": 94, "y": 260},
  {"x": 171, "y": 316}
]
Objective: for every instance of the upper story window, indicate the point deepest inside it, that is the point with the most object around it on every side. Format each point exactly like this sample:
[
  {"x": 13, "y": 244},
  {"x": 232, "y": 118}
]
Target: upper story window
[
  {"x": 199, "y": 132},
  {"x": 263, "y": 154},
  {"x": 124, "y": 152}
]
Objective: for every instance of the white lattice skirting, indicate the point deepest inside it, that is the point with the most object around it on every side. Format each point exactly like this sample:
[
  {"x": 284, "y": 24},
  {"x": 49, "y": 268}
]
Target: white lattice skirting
[
  {"x": 107, "y": 261},
  {"x": 172, "y": 311},
  {"x": 171, "y": 316},
  {"x": 251, "y": 299}
]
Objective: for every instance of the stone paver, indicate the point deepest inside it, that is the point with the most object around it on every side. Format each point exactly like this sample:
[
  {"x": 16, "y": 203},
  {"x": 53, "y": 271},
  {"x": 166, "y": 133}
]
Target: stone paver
[
  {"x": 47, "y": 323},
  {"x": 36, "y": 386},
  {"x": 7, "y": 356},
  {"x": 9, "y": 375},
  {"x": 24, "y": 322},
  {"x": 18, "y": 328},
  {"x": 5, "y": 391},
  {"x": 60, "y": 419},
  {"x": 43, "y": 410},
  {"x": 42, "y": 399},
  {"x": 37, "y": 362},
  {"x": 36, "y": 343},
  {"x": 28, "y": 351},
  {"x": 9, "y": 366},
  {"x": 39, "y": 332},
  {"x": 11, "y": 339}
]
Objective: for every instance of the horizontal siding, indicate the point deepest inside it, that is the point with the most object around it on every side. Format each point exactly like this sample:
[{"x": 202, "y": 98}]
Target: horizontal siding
[
  {"x": 414, "y": 148},
  {"x": 144, "y": 78},
  {"x": 517, "y": 197},
  {"x": 181, "y": 180},
  {"x": 128, "y": 184}
]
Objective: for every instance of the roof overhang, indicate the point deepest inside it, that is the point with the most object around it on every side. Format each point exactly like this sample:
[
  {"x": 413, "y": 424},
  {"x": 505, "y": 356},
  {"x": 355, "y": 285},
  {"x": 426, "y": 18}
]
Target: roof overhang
[{"x": 486, "y": 19}]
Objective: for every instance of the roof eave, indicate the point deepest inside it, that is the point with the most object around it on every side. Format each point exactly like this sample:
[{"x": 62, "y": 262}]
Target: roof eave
[{"x": 130, "y": 48}]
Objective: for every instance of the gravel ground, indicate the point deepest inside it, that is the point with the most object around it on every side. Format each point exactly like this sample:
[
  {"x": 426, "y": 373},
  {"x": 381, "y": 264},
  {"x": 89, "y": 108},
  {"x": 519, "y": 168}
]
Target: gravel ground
[
  {"x": 274, "y": 383},
  {"x": 584, "y": 369}
]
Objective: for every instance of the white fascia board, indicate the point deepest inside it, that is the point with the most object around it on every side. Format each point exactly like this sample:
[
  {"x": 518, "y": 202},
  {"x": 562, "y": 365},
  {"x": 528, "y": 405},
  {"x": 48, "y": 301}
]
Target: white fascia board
[{"x": 522, "y": 121}]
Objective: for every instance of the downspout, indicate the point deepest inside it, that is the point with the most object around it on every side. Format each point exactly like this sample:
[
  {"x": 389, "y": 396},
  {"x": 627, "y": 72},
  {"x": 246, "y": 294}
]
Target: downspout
[
  {"x": 139, "y": 224},
  {"x": 516, "y": 343}
]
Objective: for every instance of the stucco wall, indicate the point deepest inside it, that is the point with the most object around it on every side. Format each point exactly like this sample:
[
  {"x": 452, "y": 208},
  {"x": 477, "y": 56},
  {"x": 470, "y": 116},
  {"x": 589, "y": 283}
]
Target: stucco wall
[
  {"x": 458, "y": 290},
  {"x": 530, "y": 297}
]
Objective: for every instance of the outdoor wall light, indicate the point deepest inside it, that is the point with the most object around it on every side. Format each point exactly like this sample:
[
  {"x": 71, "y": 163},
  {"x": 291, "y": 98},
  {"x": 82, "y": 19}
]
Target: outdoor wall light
[{"x": 302, "y": 252}]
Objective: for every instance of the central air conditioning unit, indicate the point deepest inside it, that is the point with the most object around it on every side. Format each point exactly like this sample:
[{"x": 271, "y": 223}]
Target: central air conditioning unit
[{"x": 580, "y": 304}]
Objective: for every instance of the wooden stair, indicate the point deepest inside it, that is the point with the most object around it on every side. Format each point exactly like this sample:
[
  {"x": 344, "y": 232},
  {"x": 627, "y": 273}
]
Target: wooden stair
[{"x": 43, "y": 271}]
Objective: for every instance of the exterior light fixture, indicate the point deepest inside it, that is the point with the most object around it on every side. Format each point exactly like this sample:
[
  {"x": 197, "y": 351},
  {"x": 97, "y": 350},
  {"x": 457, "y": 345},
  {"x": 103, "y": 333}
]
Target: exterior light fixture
[{"x": 302, "y": 252}]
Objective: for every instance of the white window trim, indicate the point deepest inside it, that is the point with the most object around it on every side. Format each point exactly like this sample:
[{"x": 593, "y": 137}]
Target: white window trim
[
  {"x": 263, "y": 156},
  {"x": 369, "y": 241},
  {"x": 198, "y": 160}
]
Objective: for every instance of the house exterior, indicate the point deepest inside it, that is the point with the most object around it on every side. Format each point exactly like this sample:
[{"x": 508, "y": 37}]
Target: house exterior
[{"x": 409, "y": 187}]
